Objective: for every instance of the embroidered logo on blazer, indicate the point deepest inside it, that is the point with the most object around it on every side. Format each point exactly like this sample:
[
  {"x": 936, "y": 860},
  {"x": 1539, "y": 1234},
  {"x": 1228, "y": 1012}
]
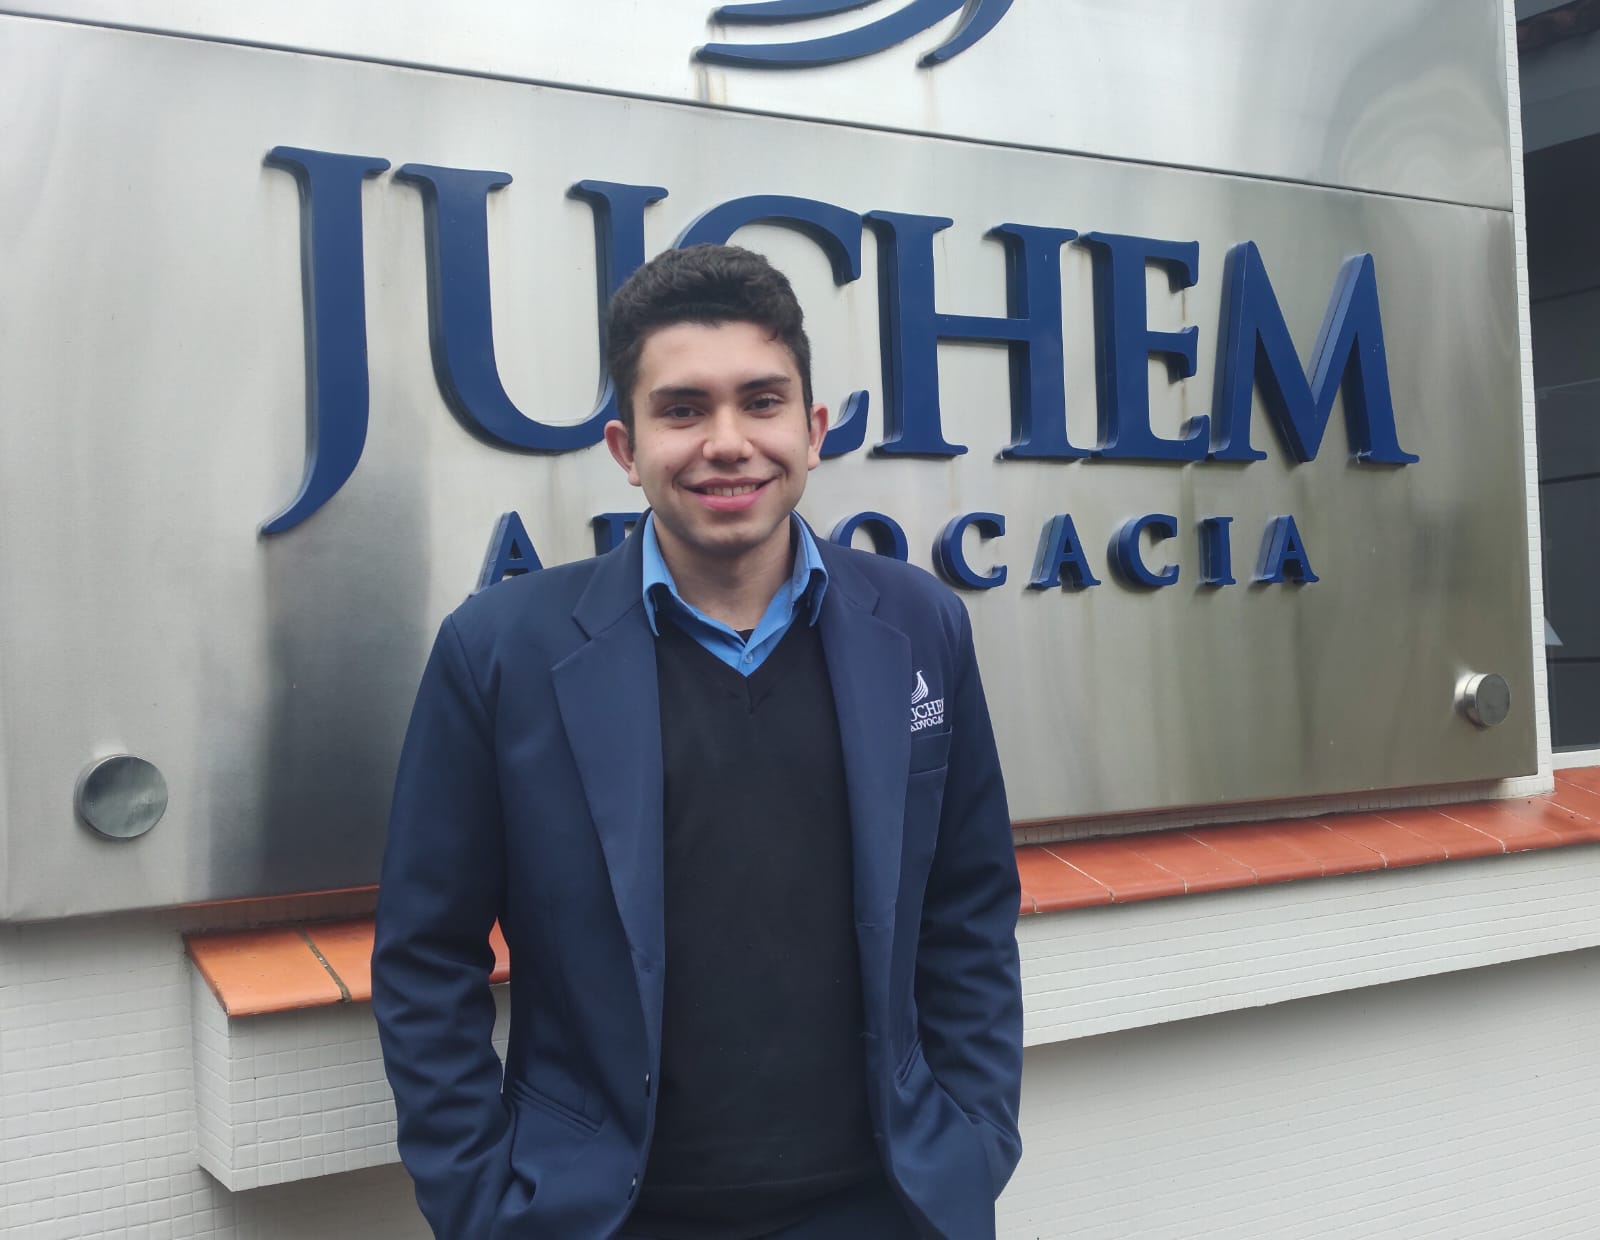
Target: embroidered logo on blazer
[{"x": 925, "y": 713}]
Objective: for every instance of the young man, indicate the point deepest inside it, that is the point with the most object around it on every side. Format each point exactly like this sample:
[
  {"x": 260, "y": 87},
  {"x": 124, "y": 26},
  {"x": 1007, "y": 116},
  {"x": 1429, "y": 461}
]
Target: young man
[{"x": 733, "y": 795}]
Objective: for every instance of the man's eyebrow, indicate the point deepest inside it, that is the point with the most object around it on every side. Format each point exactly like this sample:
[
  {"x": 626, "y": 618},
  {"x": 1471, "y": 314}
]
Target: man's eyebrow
[
  {"x": 676, "y": 393},
  {"x": 766, "y": 381},
  {"x": 690, "y": 392}
]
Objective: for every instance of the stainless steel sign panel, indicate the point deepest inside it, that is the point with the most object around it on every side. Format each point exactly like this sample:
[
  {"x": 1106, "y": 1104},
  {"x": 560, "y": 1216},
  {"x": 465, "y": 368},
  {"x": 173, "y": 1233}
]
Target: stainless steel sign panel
[
  {"x": 1397, "y": 96},
  {"x": 152, "y": 347}
]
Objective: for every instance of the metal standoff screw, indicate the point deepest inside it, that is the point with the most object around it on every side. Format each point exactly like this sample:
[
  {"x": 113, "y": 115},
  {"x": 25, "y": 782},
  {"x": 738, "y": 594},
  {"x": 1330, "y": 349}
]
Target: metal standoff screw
[
  {"x": 1485, "y": 699},
  {"x": 121, "y": 797}
]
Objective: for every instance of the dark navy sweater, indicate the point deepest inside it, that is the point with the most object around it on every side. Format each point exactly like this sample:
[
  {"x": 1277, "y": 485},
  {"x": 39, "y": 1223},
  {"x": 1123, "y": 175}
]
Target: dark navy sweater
[{"x": 762, "y": 1110}]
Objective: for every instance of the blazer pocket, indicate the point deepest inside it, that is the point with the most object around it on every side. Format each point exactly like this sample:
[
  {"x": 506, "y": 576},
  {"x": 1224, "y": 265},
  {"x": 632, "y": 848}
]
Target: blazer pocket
[
  {"x": 526, "y": 1094},
  {"x": 930, "y": 750},
  {"x": 912, "y": 1057}
]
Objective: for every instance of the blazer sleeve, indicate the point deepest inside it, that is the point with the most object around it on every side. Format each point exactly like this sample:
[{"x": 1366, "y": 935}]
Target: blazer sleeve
[
  {"x": 968, "y": 984},
  {"x": 439, "y": 895}
]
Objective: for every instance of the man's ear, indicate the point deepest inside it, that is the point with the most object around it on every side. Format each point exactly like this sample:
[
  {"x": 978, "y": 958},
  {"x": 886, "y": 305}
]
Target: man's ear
[
  {"x": 818, "y": 432},
  {"x": 620, "y": 441}
]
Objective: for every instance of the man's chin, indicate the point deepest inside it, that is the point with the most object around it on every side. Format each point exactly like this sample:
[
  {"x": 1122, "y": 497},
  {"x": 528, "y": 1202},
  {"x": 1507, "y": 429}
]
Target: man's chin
[{"x": 729, "y": 544}]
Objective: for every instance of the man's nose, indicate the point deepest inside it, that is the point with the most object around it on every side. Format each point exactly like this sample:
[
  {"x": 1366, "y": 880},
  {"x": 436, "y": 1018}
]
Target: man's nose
[{"x": 725, "y": 437}]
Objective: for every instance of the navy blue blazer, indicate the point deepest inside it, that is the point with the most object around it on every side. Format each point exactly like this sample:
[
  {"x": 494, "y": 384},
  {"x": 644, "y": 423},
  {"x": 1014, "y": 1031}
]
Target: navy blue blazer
[{"x": 530, "y": 790}]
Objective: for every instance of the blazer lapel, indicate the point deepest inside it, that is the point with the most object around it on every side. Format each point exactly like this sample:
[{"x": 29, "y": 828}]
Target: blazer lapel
[
  {"x": 869, "y": 666},
  {"x": 607, "y": 694}
]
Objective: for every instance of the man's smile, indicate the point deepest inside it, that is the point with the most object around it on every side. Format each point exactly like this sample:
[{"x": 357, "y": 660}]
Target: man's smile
[{"x": 731, "y": 495}]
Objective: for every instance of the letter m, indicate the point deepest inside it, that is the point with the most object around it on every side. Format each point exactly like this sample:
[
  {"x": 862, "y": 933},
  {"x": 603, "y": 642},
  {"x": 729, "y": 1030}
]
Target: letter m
[{"x": 1257, "y": 350}]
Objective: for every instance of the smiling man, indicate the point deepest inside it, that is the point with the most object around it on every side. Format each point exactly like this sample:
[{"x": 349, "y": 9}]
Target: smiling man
[{"x": 761, "y": 914}]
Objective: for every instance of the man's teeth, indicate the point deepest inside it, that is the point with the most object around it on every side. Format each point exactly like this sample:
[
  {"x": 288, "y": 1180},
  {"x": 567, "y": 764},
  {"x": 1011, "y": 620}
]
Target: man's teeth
[{"x": 727, "y": 492}]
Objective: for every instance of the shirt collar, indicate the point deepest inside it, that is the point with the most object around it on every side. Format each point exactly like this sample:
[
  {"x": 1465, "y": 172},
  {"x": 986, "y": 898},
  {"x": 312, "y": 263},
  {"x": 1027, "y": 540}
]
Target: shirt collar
[{"x": 807, "y": 583}]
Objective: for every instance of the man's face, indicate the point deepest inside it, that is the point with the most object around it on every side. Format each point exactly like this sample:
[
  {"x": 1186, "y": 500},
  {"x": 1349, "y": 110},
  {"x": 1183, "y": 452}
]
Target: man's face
[{"x": 721, "y": 444}]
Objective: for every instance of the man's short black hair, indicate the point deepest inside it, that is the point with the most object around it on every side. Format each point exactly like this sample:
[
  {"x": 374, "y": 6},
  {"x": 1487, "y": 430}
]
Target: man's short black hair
[{"x": 708, "y": 284}]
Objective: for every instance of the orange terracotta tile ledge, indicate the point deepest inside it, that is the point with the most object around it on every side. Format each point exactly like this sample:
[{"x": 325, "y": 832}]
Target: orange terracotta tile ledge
[
  {"x": 1150, "y": 865},
  {"x": 254, "y": 972},
  {"x": 285, "y": 968}
]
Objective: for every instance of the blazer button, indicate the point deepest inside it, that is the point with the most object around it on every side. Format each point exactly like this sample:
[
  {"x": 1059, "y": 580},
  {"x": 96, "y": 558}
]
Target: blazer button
[
  {"x": 646, "y": 1084},
  {"x": 633, "y": 1188}
]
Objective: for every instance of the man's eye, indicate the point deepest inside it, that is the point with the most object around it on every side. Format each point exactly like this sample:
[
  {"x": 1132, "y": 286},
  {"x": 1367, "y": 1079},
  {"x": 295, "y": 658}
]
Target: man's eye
[
  {"x": 679, "y": 412},
  {"x": 766, "y": 404}
]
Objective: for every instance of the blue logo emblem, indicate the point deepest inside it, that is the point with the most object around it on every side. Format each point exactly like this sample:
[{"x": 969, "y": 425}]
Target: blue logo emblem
[{"x": 906, "y": 18}]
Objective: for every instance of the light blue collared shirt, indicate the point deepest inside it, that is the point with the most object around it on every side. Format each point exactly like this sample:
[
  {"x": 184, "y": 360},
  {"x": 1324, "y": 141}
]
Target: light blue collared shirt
[{"x": 805, "y": 587}]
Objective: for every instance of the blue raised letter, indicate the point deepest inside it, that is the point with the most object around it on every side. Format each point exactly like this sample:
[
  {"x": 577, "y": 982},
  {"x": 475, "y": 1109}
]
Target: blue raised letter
[
  {"x": 333, "y": 288},
  {"x": 460, "y": 323},
  {"x": 1061, "y": 561},
  {"x": 911, "y": 329},
  {"x": 1123, "y": 343},
  {"x": 1283, "y": 555},
  {"x": 618, "y": 252},
  {"x": 838, "y": 233},
  {"x": 885, "y": 532},
  {"x": 1125, "y": 553},
  {"x": 611, "y": 528},
  {"x": 511, "y": 553},
  {"x": 1216, "y": 553},
  {"x": 1349, "y": 353},
  {"x": 951, "y": 562}
]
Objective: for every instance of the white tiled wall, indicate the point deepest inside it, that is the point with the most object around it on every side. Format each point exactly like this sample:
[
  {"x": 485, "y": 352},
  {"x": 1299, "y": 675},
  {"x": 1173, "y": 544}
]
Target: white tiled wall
[
  {"x": 98, "y": 1102},
  {"x": 97, "y": 1129},
  {"x": 1460, "y": 1107},
  {"x": 292, "y": 1095}
]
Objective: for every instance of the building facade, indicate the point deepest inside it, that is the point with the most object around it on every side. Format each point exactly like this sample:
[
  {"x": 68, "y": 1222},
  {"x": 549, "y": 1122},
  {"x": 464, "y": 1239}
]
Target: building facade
[{"x": 1204, "y": 351}]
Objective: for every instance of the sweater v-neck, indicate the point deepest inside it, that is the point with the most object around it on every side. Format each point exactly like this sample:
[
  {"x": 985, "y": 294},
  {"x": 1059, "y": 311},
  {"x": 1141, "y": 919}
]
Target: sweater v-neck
[{"x": 751, "y": 689}]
